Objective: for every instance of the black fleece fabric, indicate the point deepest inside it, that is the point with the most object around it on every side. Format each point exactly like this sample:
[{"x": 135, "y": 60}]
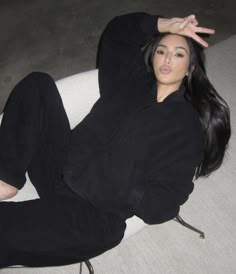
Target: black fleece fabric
[{"x": 132, "y": 155}]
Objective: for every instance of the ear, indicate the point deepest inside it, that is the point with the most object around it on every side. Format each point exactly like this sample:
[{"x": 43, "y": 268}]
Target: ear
[{"x": 190, "y": 70}]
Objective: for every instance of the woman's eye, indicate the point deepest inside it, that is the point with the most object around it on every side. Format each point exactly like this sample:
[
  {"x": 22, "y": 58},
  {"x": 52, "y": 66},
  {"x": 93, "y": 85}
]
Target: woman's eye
[
  {"x": 160, "y": 52},
  {"x": 179, "y": 55}
]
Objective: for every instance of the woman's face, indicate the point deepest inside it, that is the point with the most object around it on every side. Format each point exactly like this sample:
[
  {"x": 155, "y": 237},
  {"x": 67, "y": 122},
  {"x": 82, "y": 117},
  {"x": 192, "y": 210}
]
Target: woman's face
[{"x": 171, "y": 60}]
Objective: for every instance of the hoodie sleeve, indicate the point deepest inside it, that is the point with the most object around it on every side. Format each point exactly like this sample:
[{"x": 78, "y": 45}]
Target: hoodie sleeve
[{"x": 120, "y": 60}]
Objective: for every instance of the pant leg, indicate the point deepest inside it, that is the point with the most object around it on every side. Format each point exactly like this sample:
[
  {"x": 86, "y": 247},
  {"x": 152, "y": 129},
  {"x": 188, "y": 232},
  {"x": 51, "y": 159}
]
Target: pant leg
[
  {"x": 56, "y": 231},
  {"x": 34, "y": 134}
]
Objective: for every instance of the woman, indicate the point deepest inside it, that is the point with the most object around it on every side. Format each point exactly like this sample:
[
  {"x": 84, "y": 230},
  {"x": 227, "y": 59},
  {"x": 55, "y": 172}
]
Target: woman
[{"x": 135, "y": 153}]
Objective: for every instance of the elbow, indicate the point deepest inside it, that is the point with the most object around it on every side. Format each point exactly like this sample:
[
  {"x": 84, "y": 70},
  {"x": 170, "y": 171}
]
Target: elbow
[
  {"x": 184, "y": 193},
  {"x": 160, "y": 215}
]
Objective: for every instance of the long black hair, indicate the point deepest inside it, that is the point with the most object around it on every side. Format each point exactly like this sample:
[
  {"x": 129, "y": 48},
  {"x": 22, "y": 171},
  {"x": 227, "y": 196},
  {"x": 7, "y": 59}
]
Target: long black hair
[{"x": 213, "y": 111}]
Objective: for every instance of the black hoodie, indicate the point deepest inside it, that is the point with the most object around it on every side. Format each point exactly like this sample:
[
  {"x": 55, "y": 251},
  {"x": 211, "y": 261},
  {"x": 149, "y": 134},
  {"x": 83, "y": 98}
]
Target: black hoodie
[{"x": 131, "y": 154}]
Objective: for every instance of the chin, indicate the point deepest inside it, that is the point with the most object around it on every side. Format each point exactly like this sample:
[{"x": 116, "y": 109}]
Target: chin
[{"x": 169, "y": 81}]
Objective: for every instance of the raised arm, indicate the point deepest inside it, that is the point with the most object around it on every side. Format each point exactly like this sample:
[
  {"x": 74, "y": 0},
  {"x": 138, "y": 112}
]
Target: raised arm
[{"x": 120, "y": 59}]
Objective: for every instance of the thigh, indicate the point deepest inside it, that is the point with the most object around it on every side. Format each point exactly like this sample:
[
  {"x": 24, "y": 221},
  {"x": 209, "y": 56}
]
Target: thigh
[
  {"x": 34, "y": 134},
  {"x": 58, "y": 231}
]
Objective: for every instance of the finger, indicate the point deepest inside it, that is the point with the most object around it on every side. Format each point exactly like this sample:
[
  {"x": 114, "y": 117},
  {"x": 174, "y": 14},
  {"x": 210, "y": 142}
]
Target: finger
[
  {"x": 183, "y": 24},
  {"x": 204, "y": 30},
  {"x": 194, "y": 22},
  {"x": 192, "y": 19},
  {"x": 199, "y": 40}
]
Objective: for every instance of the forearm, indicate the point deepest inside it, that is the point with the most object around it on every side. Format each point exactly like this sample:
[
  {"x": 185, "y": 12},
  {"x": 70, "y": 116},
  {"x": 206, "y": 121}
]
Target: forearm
[{"x": 134, "y": 29}]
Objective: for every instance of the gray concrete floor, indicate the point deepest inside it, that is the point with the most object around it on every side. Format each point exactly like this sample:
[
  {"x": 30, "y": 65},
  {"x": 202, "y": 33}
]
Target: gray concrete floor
[{"x": 61, "y": 36}]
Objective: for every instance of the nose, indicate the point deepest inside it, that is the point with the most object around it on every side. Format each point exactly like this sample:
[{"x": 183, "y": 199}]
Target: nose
[{"x": 168, "y": 58}]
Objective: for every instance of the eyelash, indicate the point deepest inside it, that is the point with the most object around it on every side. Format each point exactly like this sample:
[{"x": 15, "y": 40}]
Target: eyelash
[
  {"x": 161, "y": 52},
  {"x": 179, "y": 55}
]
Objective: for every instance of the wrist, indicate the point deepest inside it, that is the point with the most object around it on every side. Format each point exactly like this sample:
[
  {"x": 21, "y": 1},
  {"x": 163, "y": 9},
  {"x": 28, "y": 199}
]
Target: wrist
[{"x": 163, "y": 24}]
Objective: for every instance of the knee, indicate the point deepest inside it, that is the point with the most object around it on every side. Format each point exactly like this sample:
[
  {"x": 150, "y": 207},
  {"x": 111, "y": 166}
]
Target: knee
[
  {"x": 38, "y": 76},
  {"x": 34, "y": 83}
]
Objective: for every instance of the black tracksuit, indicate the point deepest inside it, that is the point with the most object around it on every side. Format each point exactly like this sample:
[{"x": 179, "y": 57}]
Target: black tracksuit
[{"x": 129, "y": 156}]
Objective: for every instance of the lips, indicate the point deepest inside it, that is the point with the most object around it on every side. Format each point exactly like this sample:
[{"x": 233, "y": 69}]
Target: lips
[{"x": 165, "y": 69}]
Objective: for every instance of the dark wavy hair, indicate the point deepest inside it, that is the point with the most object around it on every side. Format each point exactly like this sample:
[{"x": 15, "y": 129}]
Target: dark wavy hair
[{"x": 213, "y": 111}]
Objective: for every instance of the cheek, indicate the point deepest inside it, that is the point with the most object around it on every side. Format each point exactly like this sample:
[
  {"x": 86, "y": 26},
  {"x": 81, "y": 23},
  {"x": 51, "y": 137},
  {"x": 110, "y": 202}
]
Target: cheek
[
  {"x": 181, "y": 67},
  {"x": 157, "y": 60}
]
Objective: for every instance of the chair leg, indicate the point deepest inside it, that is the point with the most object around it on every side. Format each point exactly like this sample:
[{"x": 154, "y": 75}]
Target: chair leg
[
  {"x": 182, "y": 222},
  {"x": 80, "y": 268},
  {"x": 89, "y": 266},
  {"x": 87, "y": 262}
]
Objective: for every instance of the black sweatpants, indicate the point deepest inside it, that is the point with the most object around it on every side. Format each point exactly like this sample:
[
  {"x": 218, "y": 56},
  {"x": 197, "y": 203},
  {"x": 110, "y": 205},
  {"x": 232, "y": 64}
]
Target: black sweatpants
[{"x": 60, "y": 227}]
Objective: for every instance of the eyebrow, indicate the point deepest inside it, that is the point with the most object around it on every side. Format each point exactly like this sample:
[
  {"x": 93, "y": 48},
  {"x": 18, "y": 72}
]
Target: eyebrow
[{"x": 178, "y": 47}]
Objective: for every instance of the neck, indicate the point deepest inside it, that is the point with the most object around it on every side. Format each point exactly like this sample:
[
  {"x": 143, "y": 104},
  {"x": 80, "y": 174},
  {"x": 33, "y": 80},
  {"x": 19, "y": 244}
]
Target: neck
[{"x": 164, "y": 90}]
